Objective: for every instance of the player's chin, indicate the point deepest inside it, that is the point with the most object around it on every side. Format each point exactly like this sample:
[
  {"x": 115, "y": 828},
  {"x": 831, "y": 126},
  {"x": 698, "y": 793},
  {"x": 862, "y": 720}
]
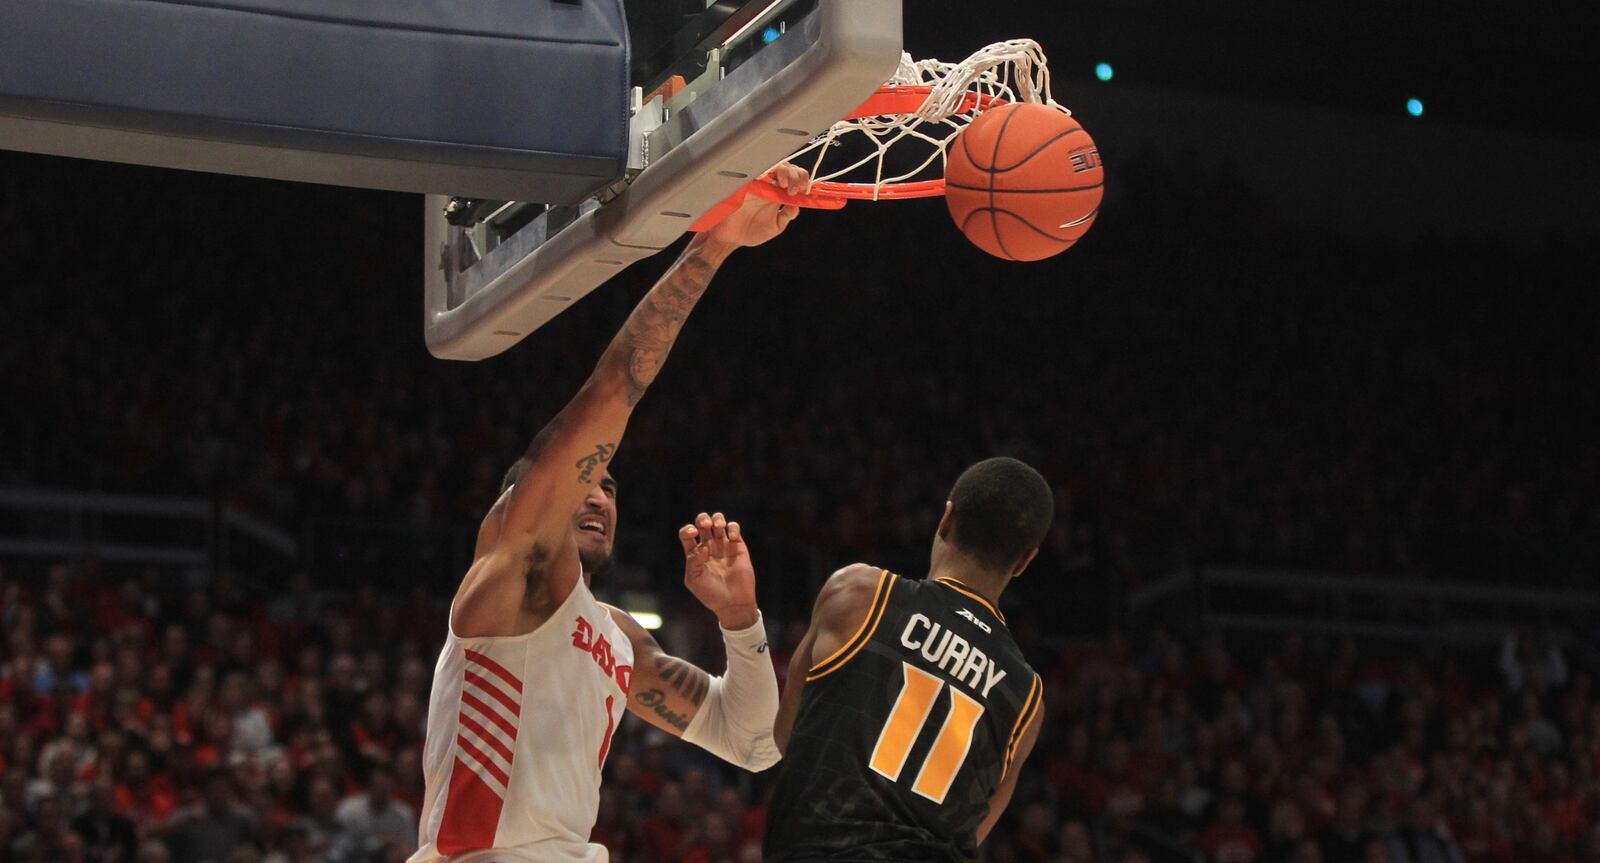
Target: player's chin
[{"x": 594, "y": 552}]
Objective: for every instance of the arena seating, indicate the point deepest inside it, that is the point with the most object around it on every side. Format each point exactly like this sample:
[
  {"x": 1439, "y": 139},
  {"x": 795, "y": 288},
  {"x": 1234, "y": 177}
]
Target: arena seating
[{"x": 1315, "y": 403}]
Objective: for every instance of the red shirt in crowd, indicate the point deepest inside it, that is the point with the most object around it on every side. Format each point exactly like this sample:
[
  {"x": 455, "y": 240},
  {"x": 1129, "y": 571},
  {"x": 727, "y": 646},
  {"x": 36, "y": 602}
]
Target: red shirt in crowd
[{"x": 1238, "y": 844}]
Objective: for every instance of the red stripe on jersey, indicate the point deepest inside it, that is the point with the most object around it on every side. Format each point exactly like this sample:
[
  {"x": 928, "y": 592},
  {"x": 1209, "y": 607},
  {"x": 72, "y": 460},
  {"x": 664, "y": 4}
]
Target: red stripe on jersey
[
  {"x": 494, "y": 715},
  {"x": 471, "y": 813},
  {"x": 611, "y": 725},
  {"x": 486, "y": 737},
  {"x": 496, "y": 668},
  {"x": 492, "y": 690},
  {"x": 483, "y": 759}
]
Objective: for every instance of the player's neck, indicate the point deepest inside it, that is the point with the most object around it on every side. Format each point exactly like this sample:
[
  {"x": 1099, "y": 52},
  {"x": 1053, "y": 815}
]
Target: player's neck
[{"x": 984, "y": 582}]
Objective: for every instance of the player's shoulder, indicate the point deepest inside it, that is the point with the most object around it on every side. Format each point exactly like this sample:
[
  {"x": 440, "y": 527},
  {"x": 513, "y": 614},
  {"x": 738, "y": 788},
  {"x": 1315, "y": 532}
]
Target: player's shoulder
[
  {"x": 847, "y": 591},
  {"x": 625, "y": 621},
  {"x": 636, "y": 631},
  {"x": 855, "y": 574},
  {"x": 853, "y": 580}
]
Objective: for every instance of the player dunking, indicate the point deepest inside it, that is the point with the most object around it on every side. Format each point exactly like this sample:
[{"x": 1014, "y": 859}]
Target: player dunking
[
  {"x": 535, "y": 673},
  {"x": 903, "y": 739}
]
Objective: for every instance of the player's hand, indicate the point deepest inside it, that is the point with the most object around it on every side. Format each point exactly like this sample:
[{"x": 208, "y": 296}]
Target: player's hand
[
  {"x": 717, "y": 569},
  {"x": 758, "y": 220}
]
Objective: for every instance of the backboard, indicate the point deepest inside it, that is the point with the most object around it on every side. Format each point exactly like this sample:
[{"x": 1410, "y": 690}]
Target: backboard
[
  {"x": 760, "y": 78},
  {"x": 412, "y": 95}
]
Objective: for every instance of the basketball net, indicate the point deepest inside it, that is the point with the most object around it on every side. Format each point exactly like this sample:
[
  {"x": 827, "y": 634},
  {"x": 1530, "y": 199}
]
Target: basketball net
[{"x": 928, "y": 101}]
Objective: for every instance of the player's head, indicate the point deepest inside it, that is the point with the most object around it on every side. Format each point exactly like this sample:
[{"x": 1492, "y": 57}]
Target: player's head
[
  {"x": 998, "y": 512},
  {"x": 594, "y": 524}
]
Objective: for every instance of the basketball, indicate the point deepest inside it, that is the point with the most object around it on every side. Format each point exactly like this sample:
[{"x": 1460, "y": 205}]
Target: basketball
[{"x": 1023, "y": 181}]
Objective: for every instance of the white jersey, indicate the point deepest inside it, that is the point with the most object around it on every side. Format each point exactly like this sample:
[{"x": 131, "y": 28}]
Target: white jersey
[{"x": 518, "y": 729}]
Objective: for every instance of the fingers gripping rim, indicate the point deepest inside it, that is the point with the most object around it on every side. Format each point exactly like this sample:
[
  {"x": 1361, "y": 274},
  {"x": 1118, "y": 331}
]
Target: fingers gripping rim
[
  {"x": 763, "y": 188},
  {"x": 889, "y": 100}
]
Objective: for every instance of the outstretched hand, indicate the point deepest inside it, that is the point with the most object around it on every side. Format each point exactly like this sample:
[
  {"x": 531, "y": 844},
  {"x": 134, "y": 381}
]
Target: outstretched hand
[
  {"x": 717, "y": 569},
  {"x": 758, "y": 220}
]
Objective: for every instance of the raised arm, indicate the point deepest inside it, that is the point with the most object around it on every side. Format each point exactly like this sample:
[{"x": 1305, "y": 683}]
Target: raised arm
[
  {"x": 730, "y": 715},
  {"x": 526, "y": 540}
]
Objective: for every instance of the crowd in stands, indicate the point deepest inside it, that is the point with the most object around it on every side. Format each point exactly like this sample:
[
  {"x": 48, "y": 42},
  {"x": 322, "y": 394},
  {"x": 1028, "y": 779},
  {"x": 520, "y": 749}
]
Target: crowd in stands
[
  {"x": 138, "y": 723},
  {"x": 1201, "y": 389},
  {"x": 1225, "y": 388}
]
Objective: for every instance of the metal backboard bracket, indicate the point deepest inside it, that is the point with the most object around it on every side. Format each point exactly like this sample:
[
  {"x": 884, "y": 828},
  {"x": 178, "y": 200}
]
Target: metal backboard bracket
[{"x": 481, "y": 300}]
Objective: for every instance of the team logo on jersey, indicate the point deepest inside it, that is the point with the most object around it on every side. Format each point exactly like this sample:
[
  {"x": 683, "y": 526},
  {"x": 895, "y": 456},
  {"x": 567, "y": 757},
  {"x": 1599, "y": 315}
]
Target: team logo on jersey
[
  {"x": 974, "y": 619},
  {"x": 585, "y": 639}
]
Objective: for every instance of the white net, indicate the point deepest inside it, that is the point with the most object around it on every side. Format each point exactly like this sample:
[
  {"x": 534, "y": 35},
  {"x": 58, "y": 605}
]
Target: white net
[{"x": 1011, "y": 71}]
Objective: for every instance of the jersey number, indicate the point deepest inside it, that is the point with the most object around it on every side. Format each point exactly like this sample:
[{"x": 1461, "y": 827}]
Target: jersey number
[
  {"x": 906, "y": 718},
  {"x": 611, "y": 725}
]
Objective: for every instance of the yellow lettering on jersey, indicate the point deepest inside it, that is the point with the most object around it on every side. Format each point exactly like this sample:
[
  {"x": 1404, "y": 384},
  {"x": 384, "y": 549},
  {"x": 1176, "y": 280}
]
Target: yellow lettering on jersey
[
  {"x": 949, "y": 748},
  {"x": 910, "y": 711}
]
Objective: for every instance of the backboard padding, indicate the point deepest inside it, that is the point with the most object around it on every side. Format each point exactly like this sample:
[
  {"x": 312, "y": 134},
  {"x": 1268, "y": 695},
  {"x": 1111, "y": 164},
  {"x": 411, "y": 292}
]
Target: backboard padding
[{"x": 739, "y": 127}]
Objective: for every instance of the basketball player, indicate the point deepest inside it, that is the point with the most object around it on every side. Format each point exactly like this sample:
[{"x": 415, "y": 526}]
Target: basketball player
[
  {"x": 902, "y": 741},
  {"x": 535, "y": 674}
]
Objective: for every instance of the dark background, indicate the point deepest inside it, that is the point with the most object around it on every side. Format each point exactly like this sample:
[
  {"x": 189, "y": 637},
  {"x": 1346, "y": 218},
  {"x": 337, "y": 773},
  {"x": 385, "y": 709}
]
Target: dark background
[{"x": 1227, "y": 371}]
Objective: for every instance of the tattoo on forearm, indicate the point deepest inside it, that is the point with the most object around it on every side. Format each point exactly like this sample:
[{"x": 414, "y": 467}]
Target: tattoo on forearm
[
  {"x": 656, "y": 700},
  {"x": 683, "y": 678},
  {"x": 642, "y": 346},
  {"x": 601, "y": 455}
]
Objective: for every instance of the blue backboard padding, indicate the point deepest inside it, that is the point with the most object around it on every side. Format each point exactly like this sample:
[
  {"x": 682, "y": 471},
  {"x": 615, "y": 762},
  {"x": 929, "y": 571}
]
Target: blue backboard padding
[{"x": 534, "y": 90}]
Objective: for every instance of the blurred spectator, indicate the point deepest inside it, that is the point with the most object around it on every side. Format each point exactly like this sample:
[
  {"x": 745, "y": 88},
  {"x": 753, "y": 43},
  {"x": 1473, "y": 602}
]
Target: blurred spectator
[
  {"x": 1230, "y": 839},
  {"x": 213, "y": 828},
  {"x": 319, "y": 826},
  {"x": 376, "y": 825},
  {"x": 662, "y": 835},
  {"x": 46, "y": 836},
  {"x": 108, "y": 836},
  {"x": 1529, "y": 660}
]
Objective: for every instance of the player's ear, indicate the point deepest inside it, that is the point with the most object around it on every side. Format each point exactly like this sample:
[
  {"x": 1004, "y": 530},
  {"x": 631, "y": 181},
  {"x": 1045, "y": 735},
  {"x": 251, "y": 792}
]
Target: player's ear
[
  {"x": 1023, "y": 563},
  {"x": 946, "y": 521}
]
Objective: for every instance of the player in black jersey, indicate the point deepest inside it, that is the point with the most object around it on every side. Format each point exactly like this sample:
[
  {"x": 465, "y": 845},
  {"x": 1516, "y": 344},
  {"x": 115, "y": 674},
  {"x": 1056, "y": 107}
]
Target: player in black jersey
[{"x": 909, "y": 707}]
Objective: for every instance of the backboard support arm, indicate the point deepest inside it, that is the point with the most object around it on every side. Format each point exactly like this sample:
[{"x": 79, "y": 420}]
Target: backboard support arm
[{"x": 701, "y": 152}]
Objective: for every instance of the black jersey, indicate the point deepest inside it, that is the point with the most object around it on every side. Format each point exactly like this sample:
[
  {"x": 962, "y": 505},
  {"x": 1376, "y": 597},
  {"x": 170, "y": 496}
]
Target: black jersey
[{"x": 904, "y": 733}]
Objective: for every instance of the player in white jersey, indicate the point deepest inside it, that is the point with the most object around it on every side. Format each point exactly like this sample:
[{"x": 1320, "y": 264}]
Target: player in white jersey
[{"x": 535, "y": 673}]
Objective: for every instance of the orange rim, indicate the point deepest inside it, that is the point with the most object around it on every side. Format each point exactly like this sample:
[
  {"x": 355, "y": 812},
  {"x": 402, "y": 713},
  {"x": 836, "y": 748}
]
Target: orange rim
[{"x": 889, "y": 100}]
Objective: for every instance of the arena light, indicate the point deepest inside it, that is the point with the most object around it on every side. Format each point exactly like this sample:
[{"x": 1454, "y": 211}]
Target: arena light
[
  {"x": 647, "y": 619},
  {"x": 1103, "y": 71},
  {"x": 1414, "y": 107}
]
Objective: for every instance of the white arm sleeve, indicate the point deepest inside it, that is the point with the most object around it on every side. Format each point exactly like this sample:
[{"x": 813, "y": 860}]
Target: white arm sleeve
[{"x": 734, "y": 722}]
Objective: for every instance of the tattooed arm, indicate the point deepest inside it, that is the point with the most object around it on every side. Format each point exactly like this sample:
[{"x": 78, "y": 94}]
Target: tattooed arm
[
  {"x": 729, "y": 716},
  {"x": 666, "y": 691},
  {"x": 527, "y": 540}
]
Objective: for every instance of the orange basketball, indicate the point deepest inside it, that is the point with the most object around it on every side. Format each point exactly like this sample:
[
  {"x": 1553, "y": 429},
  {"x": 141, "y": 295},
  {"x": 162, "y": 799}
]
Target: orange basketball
[{"x": 1023, "y": 181}]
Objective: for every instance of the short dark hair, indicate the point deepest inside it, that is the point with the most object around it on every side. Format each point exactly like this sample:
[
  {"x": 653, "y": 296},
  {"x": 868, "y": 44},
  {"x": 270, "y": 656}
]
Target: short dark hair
[{"x": 1002, "y": 510}]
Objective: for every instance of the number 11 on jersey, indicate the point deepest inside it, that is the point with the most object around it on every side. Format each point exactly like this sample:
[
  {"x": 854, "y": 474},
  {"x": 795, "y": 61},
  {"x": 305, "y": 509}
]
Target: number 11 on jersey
[{"x": 904, "y": 725}]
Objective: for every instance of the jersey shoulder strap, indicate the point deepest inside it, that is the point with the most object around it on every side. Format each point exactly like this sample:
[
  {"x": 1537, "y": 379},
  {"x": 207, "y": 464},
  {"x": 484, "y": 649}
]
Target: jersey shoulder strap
[
  {"x": 1030, "y": 706},
  {"x": 863, "y": 634}
]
